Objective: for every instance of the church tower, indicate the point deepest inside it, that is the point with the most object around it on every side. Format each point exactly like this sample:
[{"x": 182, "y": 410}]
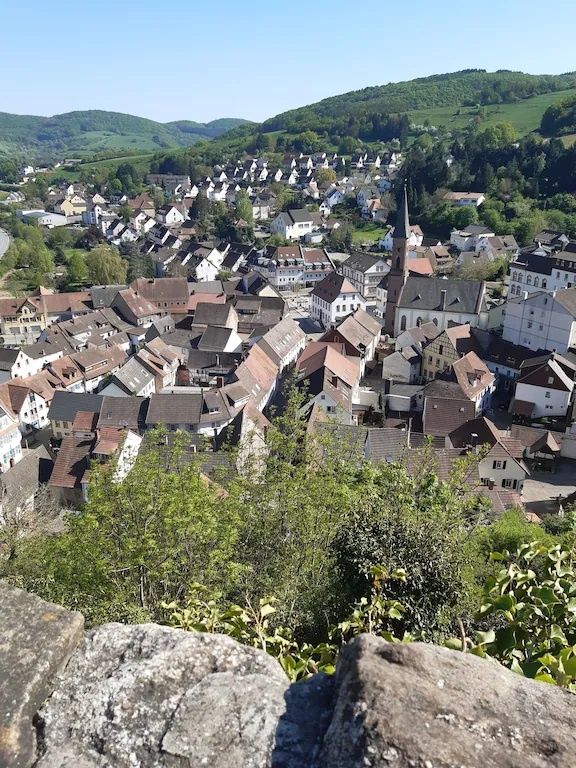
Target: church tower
[{"x": 399, "y": 267}]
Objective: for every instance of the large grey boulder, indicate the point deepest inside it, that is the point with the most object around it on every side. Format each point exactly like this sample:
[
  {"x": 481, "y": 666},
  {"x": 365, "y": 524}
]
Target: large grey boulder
[
  {"x": 420, "y": 706},
  {"x": 148, "y": 696},
  {"x": 36, "y": 640}
]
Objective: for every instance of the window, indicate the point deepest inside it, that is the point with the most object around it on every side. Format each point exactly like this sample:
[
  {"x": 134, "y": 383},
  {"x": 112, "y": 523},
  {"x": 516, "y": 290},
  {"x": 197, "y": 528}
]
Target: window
[
  {"x": 498, "y": 464},
  {"x": 529, "y": 280},
  {"x": 547, "y": 394},
  {"x": 550, "y": 379},
  {"x": 429, "y": 358},
  {"x": 403, "y": 323},
  {"x": 514, "y": 276},
  {"x": 507, "y": 483},
  {"x": 536, "y": 282},
  {"x": 544, "y": 284},
  {"x": 441, "y": 349},
  {"x": 529, "y": 323}
]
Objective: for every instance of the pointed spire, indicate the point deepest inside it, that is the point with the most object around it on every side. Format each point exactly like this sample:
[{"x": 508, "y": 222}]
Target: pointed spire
[{"x": 402, "y": 228}]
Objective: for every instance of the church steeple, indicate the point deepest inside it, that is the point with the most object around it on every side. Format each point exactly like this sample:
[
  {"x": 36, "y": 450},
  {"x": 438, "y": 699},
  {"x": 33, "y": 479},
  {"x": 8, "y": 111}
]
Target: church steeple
[
  {"x": 402, "y": 228},
  {"x": 400, "y": 239},
  {"x": 396, "y": 278}
]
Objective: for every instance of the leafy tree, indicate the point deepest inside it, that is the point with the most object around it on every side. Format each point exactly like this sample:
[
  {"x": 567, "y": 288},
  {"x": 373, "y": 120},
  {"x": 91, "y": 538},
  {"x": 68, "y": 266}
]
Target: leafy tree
[
  {"x": 419, "y": 524},
  {"x": 464, "y": 216},
  {"x": 200, "y": 208},
  {"x": 326, "y": 176},
  {"x": 77, "y": 269},
  {"x": 105, "y": 266},
  {"x": 139, "y": 542},
  {"x": 139, "y": 264},
  {"x": 244, "y": 207}
]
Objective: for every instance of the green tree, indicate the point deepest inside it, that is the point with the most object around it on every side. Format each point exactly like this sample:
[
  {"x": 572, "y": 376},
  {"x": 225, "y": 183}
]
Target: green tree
[
  {"x": 421, "y": 525},
  {"x": 326, "y": 176},
  {"x": 244, "y": 207},
  {"x": 77, "y": 269},
  {"x": 200, "y": 209},
  {"x": 105, "y": 266},
  {"x": 137, "y": 543}
]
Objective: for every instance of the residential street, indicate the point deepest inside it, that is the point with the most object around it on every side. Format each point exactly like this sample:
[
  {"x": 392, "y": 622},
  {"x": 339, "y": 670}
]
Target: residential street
[{"x": 4, "y": 242}]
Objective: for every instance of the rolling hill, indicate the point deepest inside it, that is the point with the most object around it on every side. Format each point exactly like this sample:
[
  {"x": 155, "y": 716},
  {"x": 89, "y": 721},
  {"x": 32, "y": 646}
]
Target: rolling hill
[
  {"x": 465, "y": 89},
  {"x": 89, "y": 132}
]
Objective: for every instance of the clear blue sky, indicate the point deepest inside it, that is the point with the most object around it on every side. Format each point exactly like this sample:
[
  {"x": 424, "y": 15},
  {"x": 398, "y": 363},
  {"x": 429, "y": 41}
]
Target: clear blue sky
[{"x": 199, "y": 60}]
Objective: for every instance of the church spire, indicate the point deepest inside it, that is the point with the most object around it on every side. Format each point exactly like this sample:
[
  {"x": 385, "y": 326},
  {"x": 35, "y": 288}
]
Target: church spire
[{"x": 402, "y": 228}]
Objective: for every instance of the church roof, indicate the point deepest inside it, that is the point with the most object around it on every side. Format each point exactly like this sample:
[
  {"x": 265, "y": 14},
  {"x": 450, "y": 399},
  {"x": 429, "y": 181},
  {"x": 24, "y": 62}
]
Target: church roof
[{"x": 402, "y": 228}]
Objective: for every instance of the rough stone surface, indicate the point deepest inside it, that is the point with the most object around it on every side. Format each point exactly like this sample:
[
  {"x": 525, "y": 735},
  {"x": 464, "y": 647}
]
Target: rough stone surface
[
  {"x": 152, "y": 696},
  {"x": 420, "y": 706},
  {"x": 147, "y": 696},
  {"x": 36, "y": 640}
]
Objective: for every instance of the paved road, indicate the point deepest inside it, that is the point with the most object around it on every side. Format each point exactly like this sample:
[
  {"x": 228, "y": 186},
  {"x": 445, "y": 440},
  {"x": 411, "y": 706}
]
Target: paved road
[
  {"x": 541, "y": 489},
  {"x": 4, "y": 242}
]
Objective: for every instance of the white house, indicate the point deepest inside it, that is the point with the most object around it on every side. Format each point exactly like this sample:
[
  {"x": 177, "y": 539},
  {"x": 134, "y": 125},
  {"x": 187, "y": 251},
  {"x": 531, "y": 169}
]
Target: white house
[
  {"x": 414, "y": 240},
  {"x": 546, "y": 383},
  {"x": 333, "y": 299},
  {"x": 474, "y": 199},
  {"x": 538, "y": 269},
  {"x": 44, "y": 218},
  {"x": 169, "y": 215},
  {"x": 470, "y": 238},
  {"x": 295, "y": 224},
  {"x": 365, "y": 271},
  {"x": 542, "y": 320},
  {"x": 10, "y": 437}
]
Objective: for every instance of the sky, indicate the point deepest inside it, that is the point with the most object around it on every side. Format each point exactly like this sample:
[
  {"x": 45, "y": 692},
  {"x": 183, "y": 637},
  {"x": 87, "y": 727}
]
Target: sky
[{"x": 200, "y": 60}]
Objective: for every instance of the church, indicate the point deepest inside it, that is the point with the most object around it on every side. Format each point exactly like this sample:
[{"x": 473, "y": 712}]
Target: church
[{"x": 412, "y": 300}]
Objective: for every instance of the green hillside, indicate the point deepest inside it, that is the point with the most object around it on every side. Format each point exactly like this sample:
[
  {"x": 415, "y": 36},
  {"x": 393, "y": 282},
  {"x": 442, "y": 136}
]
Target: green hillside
[
  {"x": 89, "y": 132},
  {"x": 352, "y": 112},
  {"x": 525, "y": 115}
]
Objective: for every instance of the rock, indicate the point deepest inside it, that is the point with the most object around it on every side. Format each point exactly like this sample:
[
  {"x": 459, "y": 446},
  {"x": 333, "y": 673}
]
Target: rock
[
  {"x": 36, "y": 640},
  {"x": 421, "y": 706},
  {"x": 147, "y": 695}
]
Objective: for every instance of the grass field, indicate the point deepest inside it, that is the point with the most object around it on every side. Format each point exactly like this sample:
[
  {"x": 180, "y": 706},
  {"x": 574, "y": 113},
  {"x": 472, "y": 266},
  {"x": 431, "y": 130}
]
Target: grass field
[
  {"x": 524, "y": 115},
  {"x": 368, "y": 233},
  {"x": 106, "y": 164}
]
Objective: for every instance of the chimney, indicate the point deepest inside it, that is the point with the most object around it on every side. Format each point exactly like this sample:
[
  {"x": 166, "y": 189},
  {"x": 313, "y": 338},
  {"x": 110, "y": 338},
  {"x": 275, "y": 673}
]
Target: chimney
[{"x": 443, "y": 299}]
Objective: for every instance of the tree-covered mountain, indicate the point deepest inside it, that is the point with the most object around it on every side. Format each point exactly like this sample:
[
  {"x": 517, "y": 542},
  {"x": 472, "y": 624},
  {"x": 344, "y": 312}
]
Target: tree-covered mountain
[
  {"x": 560, "y": 119},
  {"x": 88, "y": 132},
  {"x": 456, "y": 89}
]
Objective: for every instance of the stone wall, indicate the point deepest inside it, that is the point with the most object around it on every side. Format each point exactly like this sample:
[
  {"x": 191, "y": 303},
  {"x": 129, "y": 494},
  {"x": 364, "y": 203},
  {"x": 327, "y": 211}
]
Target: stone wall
[{"x": 145, "y": 695}]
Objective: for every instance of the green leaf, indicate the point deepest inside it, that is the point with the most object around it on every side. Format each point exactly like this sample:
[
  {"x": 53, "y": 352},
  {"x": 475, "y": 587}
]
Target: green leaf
[
  {"x": 483, "y": 638},
  {"x": 556, "y": 633}
]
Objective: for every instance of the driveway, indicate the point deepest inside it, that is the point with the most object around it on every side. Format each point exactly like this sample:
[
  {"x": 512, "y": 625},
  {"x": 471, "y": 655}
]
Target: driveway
[
  {"x": 4, "y": 242},
  {"x": 541, "y": 489}
]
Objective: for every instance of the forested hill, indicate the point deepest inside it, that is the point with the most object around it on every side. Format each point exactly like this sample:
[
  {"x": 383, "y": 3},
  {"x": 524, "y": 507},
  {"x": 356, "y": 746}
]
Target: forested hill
[
  {"x": 457, "y": 89},
  {"x": 94, "y": 131}
]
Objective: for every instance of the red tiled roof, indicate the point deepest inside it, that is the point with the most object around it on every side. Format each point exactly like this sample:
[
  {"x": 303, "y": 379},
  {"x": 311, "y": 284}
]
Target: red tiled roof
[{"x": 71, "y": 462}]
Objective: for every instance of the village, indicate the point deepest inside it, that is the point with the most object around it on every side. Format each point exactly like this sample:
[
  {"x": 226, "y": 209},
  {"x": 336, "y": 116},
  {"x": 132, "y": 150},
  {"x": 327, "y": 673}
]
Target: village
[{"x": 385, "y": 340}]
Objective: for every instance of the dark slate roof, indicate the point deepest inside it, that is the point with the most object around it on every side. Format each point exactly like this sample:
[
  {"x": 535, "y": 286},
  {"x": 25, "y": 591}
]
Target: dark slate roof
[
  {"x": 174, "y": 409},
  {"x": 65, "y": 405},
  {"x": 533, "y": 262},
  {"x": 7, "y": 358},
  {"x": 104, "y": 295},
  {"x": 127, "y": 412},
  {"x": 362, "y": 262},
  {"x": 426, "y": 293},
  {"x": 25, "y": 477}
]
